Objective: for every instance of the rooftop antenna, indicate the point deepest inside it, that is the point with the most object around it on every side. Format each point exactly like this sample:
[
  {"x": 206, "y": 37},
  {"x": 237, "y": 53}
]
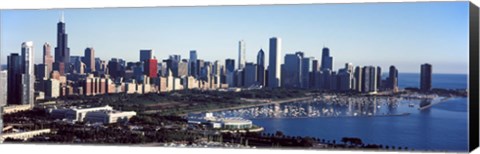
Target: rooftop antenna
[{"x": 62, "y": 18}]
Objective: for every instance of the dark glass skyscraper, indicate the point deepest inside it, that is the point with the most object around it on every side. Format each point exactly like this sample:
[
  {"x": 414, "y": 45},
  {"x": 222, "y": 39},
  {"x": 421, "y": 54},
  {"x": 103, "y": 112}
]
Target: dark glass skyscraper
[
  {"x": 392, "y": 80},
  {"x": 327, "y": 60},
  {"x": 90, "y": 60},
  {"x": 14, "y": 84},
  {"x": 426, "y": 77},
  {"x": 193, "y": 63},
  {"x": 62, "y": 52},
  {"x": 261, "y": 67}
]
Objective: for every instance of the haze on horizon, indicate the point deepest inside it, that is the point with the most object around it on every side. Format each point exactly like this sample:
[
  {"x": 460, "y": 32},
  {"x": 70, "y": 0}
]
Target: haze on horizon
[{"x": 381, "y": 34}]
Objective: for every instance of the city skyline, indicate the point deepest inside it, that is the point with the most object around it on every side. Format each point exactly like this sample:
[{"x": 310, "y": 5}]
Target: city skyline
[{"x": 374, "y": 54}]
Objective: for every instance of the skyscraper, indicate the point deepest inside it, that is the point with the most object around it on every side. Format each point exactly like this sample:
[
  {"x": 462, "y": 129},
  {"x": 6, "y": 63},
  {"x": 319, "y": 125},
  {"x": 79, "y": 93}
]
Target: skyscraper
[
  {"x": 62, "y": 51},
  {"x": 250, "y": 74},
  {"x": 89, "y": 60},
  {"x": 306, "y": 69},
  {"x": 274, "y": 70},
  {"x": 291, "y": 71},
  {"x": 47, "y": 57},
  {"x": 151, "y": 67},
  {"x": 369, "y": 79},
  {"x": 146, "y": 55},
  {"x": 358, "y": 79},
  {"x": 41, "y": 72},
  {"x": 230, "y": 65},
  {"x": 3, "y": 88},
  {"x": 14, "y": 75},
  {"x": 392, "y": 80},
  {"x": 230, "y": 72},
  {"x": 261, "y": 68},
  {"x": 28, "y": 77},
  {"x": 192, "y": 70},
  {"x": 426, "y": 77},
  {"x": 327, "y": 60},
  {"x": 241, "y": 54},
  {"x": 216, "y": 73},
  {"x": 379, "y": 77}
]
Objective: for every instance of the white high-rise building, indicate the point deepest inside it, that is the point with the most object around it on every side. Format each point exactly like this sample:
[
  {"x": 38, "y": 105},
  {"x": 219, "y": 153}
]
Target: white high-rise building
[
  {"x": 274, "y": 70},
  {"x": 28, "y": 77},
  {"x": 241, "y": 54}
]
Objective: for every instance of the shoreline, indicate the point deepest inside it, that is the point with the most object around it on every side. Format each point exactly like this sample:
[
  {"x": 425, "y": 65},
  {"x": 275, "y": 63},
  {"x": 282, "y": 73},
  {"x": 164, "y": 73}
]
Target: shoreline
[
  {"x": 361, "y": 116},
  {"x": 256, "y": 105}
]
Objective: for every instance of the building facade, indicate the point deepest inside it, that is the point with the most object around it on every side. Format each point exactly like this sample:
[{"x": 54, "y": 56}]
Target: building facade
[{"x": 274, "y": 65}]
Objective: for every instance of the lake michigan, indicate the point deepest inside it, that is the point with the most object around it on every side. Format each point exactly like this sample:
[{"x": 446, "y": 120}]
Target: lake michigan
[{"x": 442, "y": 127}]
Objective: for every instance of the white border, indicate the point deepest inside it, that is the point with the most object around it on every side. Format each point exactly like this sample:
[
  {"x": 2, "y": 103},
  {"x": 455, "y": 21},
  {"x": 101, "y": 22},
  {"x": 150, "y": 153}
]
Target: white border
[
  {"x": 48, "y": 4},
  {"x": 77, "y": 149}
]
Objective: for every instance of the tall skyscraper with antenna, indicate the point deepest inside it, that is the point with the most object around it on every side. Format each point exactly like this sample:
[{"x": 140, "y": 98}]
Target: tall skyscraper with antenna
[{"x": 62, "y": 51}]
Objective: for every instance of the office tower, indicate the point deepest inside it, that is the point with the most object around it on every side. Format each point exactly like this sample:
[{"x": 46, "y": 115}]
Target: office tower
[
  {"x": 250, "y": 75},
  {"x": 239, "y": 78},
  {"x": 315, "y": 74},
  {"x": 116, "y": 68},
  {"x": 60, "y": 67},
  {"x": 192, "y": 70},
  {"x": 100, "y": 65},
  {"x": 205, "y": 70},
  {"x": 183, "y": 68},
  {"x": 146, "y": 55},
  {"x": 306, "y": 69},
  {"x": 62, "y": 51},
  {"x": 327, "y": 60},
  {"x": 351, "y": 70},
  {"x": 200, "y": 63},
  {"x": 369, "y": 79},
  {"x": 89, "y": 60},
  {"x": 79, "y": 67},
  {"x": 138, "y": 71},
  {"x": 52, "y": 89},
  {"x": 162, "y": 69},
  {"x": 315, "y": 65},
  {"x": 358, "y": 79},
  {"x": 241, "y": 54},
  {"x": 230, "y": 72},
  {"x": 41, "y": 72},
  {"x": 261, "y": 68},
  {"x": 216, "y": 73},
  {"x": 177, "y": 58},
  {"x": 291, "y": 71},
  {"x": 325, "y": 78},
  {"x": 28, "y": 77},
  {"x": 151, "y": 68},
  {"x": 14, "y": 65},
  {"x": 301, "y": 74},
  {"x": 274, "y": 68},
  {"x": 172, "y": 64},
  {"x": 379, "y": 78},
  {"x": 392, "y": 80},
  {"x": 426, "y": 77},
  {"x": 230, "y": 65},
  {"x": 345, "y": 78},
  {"x": 3, "y": 88},
  {"x": 47, "y": 57}
]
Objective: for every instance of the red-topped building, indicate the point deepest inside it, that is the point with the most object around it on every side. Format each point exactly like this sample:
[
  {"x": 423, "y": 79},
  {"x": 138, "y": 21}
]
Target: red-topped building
[{"x": 150, "y": 68}]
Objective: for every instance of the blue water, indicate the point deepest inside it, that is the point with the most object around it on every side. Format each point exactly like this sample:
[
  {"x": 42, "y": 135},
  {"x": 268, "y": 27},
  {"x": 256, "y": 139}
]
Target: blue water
[
  {"x": 437, "y": 128},
  {"x": 446, "y": 81},
  {"x": 441, "y": 127}
]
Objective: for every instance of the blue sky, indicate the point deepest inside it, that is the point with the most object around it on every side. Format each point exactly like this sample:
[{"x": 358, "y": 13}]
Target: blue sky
[{"x": 401, "y": 34}]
